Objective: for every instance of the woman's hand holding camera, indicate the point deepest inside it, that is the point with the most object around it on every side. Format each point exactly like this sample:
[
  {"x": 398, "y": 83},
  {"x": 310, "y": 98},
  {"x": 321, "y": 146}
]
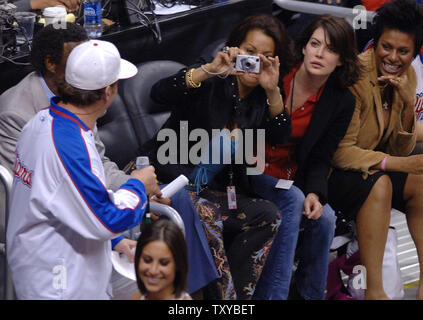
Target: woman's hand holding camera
[
  {"x": 221, "y": 65},
  {"x": 269, "y": 75},
  {"x": 224, "y": 60}
]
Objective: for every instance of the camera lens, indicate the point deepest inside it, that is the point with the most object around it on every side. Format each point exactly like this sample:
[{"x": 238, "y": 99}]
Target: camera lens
[{"x": 247, "y": 63}]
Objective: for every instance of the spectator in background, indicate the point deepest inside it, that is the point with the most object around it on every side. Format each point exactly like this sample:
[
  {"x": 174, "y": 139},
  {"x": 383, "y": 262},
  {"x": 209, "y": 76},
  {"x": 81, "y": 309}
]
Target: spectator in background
[
  {"x": 373, "y": 5},
  {"x": 28, "y": 5},
  {"x": 298, "y": 21},
  {"x": 61, "y": 215},
  {"x": 321, "y": 107},
  {"x": 373, "y": 170},
  {"x": 161, "y": 264},
  {"x": 418, "y": 105}
]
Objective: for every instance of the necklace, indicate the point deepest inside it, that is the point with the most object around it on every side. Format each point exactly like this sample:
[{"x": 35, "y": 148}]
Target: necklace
[
  {"x": 289, "y": 168},
  {"x": 386, "y": 98},
  {"x": 292, "y": 93},
  {"x": 385, "y": 106}
]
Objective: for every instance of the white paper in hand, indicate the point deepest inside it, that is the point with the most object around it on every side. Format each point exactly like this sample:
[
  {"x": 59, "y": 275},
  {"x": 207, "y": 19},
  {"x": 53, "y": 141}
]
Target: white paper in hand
[
  {"x": 174, "y": 186},
  {"x": 123, "y": 265}
]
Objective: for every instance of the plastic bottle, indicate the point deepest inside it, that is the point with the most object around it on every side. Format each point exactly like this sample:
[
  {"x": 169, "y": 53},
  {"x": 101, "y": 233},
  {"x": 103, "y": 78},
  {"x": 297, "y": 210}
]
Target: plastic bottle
[
  {"x": 92, "y": 18},
  {"x": 143, "y": 162}
]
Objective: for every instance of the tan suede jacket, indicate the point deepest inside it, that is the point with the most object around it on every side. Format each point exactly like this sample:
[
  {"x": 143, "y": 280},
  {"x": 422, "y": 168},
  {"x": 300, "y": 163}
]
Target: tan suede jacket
[{"x": 365, "y": 132}]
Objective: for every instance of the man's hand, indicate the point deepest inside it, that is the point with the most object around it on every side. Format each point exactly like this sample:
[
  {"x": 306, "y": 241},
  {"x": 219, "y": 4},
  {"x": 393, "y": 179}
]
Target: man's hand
[
  {"x": 165, "y": 201},
  {"x": 149, "y": 179},
  {"x": 71, "y": 5},
  {"x": 125, "y": 246}
]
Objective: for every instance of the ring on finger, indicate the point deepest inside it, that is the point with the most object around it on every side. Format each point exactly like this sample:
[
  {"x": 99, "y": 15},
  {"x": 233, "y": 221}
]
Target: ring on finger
[{"x": 225, "y": 49}]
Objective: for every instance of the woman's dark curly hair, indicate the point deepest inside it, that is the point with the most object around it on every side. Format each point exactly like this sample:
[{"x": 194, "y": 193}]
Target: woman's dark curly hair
[
  {"x": 342, "y": 41},
  {"x": 49, "y": 42},
  {"x": 403, "y": 15},
  {"x": 272, "y": 27},
  {"x": 169, "y": 232}
]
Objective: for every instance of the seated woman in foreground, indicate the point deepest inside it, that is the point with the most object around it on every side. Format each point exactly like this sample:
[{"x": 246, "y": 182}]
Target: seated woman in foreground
[{"x": 374, "y": 171}]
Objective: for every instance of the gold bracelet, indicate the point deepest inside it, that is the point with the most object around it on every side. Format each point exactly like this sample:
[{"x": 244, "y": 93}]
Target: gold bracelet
[
  {"x": 190, "y": 81},
  {"x": 270, "y": 106}
]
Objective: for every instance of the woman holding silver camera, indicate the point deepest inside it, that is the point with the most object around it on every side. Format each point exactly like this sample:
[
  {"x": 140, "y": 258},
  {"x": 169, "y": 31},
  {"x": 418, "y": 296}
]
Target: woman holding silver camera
[{"x": 214, "y": 95}]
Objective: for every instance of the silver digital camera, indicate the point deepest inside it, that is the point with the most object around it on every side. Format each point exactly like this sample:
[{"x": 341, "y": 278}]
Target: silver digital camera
[{"x": 246, "y": 63}]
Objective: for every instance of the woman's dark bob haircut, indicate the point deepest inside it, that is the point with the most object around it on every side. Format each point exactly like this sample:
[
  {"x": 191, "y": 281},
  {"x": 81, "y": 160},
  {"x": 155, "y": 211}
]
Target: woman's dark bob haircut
[{"x": 341, "y": 39}]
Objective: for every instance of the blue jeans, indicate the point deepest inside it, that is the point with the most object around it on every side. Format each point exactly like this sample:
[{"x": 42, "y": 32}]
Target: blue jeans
[{"x": 313, "y": 254}]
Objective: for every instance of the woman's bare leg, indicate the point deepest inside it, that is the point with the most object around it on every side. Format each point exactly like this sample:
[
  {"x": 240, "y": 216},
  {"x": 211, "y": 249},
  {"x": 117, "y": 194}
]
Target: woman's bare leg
[{"x": 372, "y": 230}]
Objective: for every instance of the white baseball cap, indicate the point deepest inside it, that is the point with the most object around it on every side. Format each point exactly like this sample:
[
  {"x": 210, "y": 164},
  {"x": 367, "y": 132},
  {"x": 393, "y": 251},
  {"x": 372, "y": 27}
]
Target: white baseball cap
[{"x": 96, "y": 64}]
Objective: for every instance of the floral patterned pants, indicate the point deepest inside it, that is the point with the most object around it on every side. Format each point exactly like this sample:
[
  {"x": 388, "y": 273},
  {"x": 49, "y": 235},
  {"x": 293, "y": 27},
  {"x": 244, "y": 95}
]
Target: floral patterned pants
[{"x": 239, "y": 239}]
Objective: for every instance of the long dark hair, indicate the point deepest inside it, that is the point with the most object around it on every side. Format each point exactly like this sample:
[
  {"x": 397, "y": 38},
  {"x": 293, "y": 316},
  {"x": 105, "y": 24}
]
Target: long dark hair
[
  {"x": 169, "y": 232},
  {"x": 272, "y": 27},
  {"x": 342, "y": 41}
]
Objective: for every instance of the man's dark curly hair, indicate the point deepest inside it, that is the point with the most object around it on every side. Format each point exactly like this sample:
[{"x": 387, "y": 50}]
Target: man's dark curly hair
[
  {"x": 403, "y": 15},
  {"x": 49, "y": 43}
]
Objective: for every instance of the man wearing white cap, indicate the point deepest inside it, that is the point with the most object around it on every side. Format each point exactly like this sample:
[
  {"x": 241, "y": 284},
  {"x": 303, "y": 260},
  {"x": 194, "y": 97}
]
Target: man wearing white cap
[{"x": 62, "y": 216}]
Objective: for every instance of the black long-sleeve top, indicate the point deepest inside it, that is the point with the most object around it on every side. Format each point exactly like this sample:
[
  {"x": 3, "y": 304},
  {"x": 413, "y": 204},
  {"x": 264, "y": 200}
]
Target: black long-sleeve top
[{"x": 212, "y": 106}]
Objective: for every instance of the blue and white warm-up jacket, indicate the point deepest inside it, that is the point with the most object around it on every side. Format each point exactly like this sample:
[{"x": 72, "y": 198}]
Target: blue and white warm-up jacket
[{"x": 62, "y": 217}]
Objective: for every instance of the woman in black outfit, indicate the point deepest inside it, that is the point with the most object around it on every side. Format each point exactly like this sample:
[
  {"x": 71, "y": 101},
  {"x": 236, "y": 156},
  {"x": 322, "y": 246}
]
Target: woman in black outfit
[{"x": 232, "y": 100}]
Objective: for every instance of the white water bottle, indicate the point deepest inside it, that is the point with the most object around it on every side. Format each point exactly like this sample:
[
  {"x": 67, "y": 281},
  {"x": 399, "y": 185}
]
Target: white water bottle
[{"x": 92, "y": 18}]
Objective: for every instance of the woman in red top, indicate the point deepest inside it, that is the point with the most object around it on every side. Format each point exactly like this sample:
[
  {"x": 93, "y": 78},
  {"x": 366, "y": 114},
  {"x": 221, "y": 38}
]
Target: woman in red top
[{"x": 321, "y": 106}]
